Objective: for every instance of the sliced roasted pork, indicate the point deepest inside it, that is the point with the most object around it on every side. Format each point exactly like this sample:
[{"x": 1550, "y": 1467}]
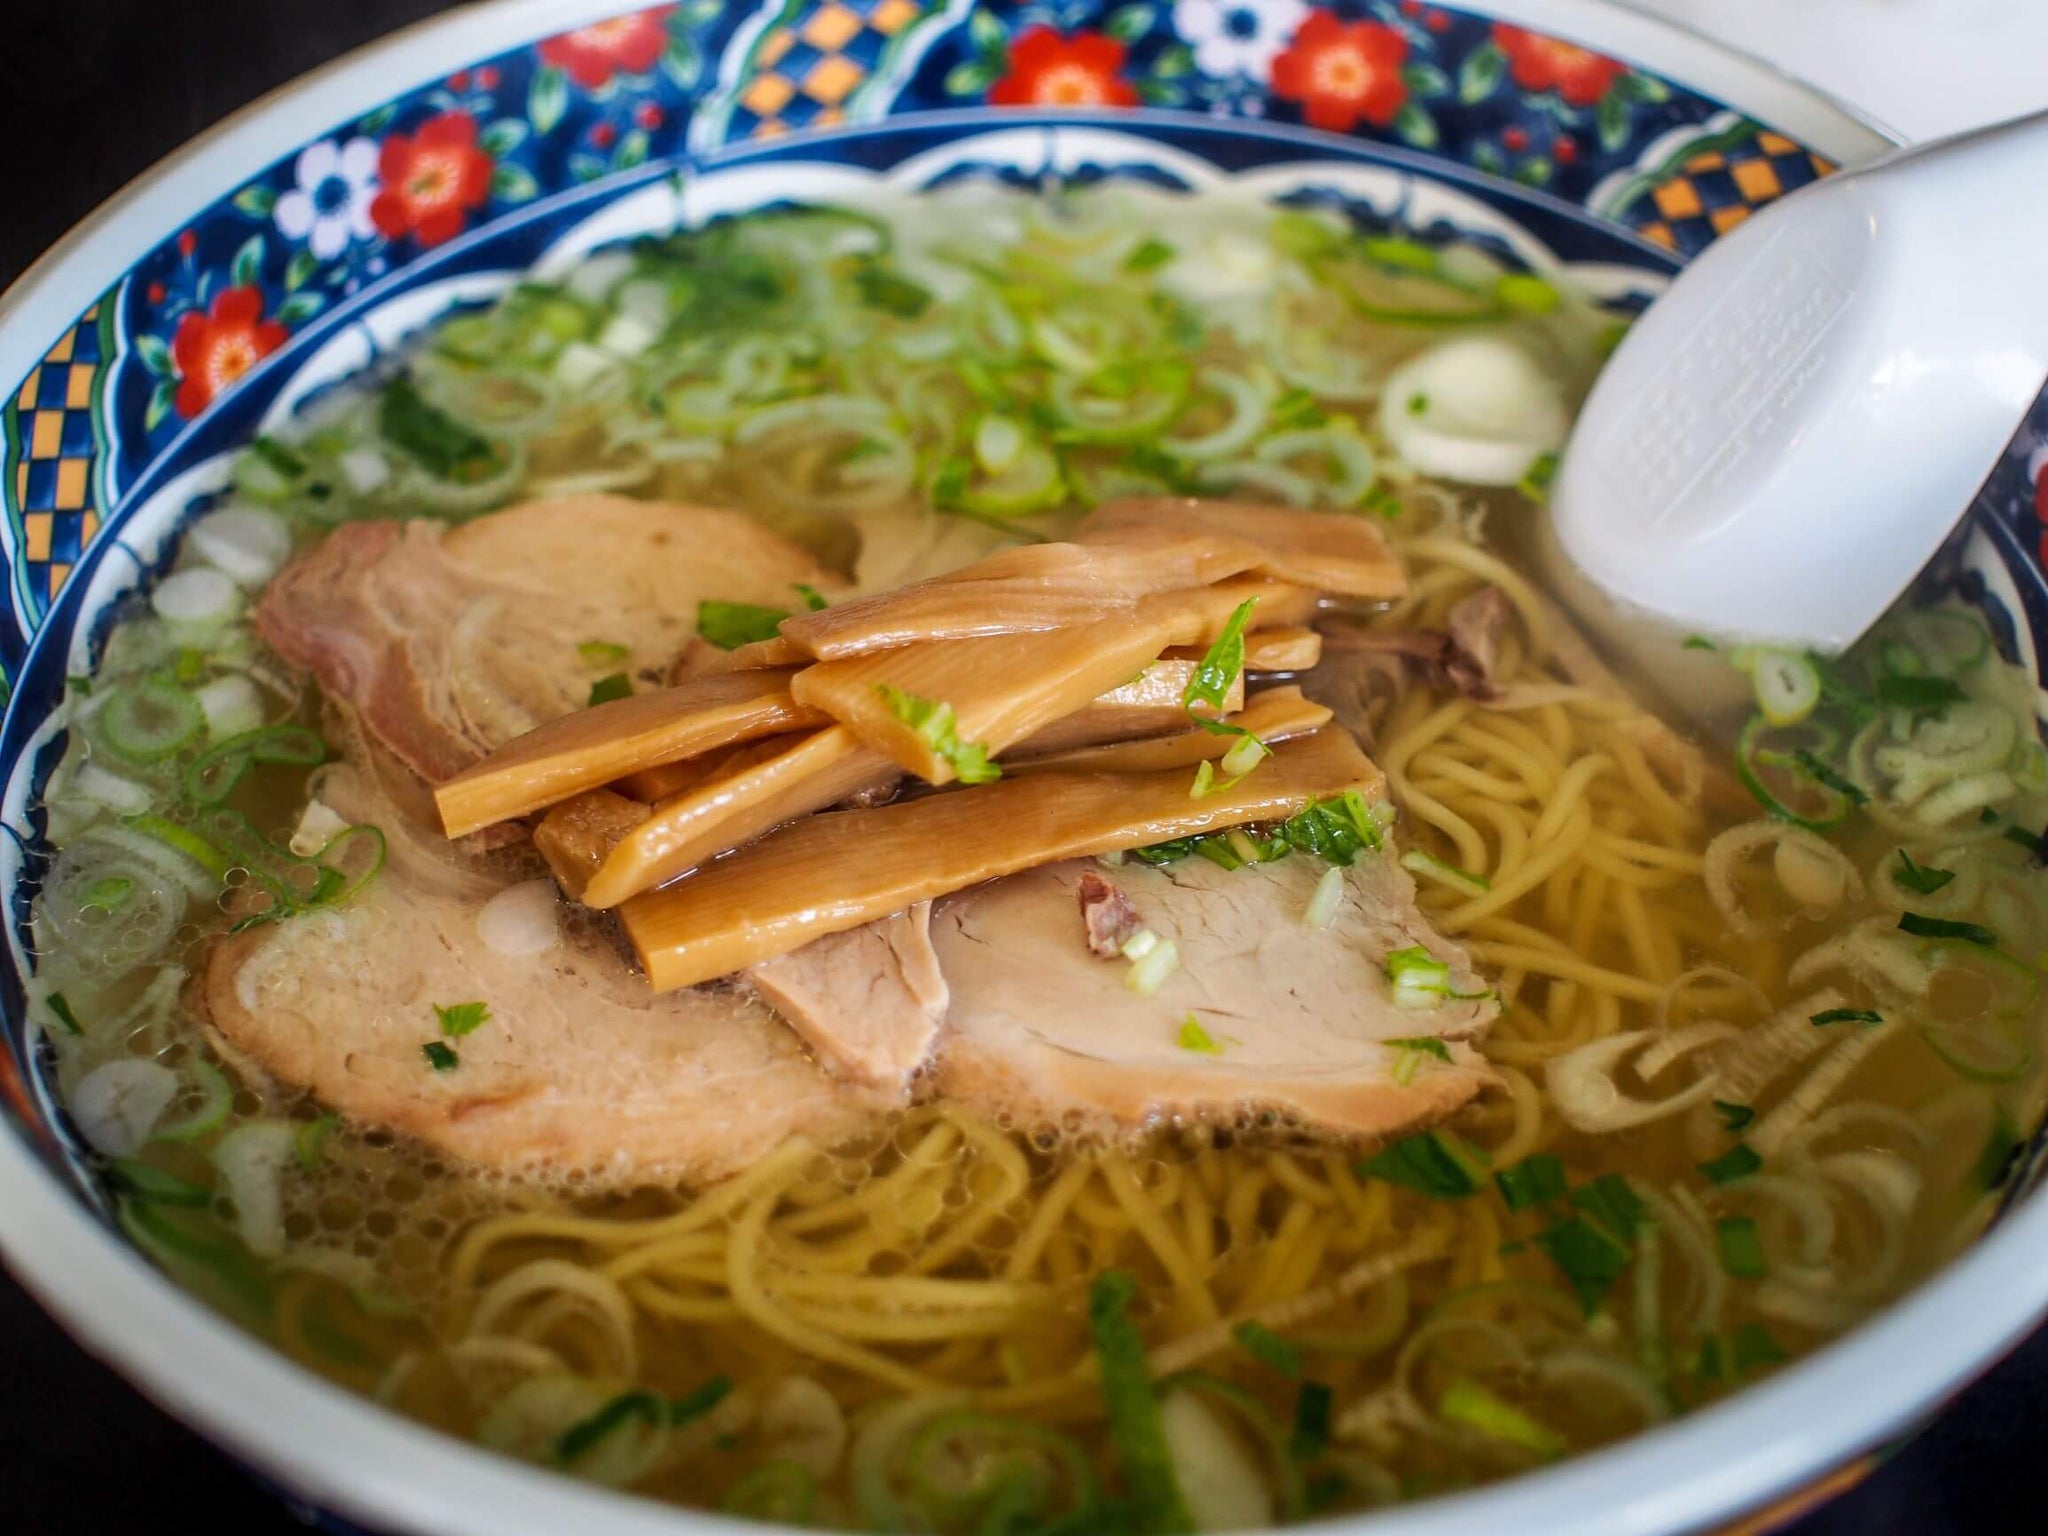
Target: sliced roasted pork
[
  {"x": 450, "y": 642},
  {"x": 579, "y": 1068},
  {"x": 1289, "y": 1019},
  {"x": 869, "y": 1001}
]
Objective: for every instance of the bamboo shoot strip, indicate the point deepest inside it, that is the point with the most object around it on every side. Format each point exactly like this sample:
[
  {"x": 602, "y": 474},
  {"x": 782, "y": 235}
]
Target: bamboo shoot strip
[
  {"x": 594, "y": 746},
  {"x": 1336, "y": 552},
  {"x": 817, "y": 771},
  {"x": 827, "y": 874},
  {"x": 1272, "y": 716}
]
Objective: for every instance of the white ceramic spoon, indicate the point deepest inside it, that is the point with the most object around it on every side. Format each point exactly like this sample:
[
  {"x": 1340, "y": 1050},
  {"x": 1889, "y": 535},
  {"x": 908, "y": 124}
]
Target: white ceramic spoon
[{"x": 1789, "y": 433}]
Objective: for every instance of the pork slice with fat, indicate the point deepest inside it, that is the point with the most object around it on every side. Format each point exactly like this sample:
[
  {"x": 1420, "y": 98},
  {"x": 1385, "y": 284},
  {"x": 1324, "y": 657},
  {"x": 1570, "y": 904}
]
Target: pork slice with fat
[
  {"x": 450, "y": 642},
  {"x": 579, "y": 1067},
  {"x": 1301, "y": 1018},
  {"x": 869, "y": 1001}
]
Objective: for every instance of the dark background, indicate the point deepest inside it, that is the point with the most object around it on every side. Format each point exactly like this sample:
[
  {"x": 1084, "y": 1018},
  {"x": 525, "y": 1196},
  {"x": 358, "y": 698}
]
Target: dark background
[{"x": 92, "y": 93}]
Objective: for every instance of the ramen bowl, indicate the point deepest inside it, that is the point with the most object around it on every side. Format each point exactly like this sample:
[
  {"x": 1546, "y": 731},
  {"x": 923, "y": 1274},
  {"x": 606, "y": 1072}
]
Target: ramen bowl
[{"x": 301, "y": 240}]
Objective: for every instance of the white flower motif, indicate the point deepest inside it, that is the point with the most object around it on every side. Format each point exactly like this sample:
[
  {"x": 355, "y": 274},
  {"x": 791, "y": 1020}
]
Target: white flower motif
[
  {"x": 1238, "y": 37},
  {"x": 330, "y": 206}
]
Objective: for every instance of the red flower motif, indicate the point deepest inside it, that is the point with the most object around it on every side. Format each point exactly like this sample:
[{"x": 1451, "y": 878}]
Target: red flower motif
[
  {"x": 487, "y": 79},
  {"x": 188, "y": 242},
  {"x": 1515, "y": 138},
  {"x": 603, "y": 135},
  {"x": 649, "y": 115},
  {"x": 629, "y": 45},
  {"x": 1566, "y": 149},
  {"x": 155, "y": 293},
  {"x": 212, "y": 350},
  {"x": 431, "y": 180},
  {"x": 1048, "y": 70},
  {"x": 1540, "y": 63},
  {"x": 1343, "y": 74}
]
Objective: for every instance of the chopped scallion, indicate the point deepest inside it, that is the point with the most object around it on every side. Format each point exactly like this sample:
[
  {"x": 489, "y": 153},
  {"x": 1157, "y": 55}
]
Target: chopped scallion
[
  {"x": 1195, "y": 1038},
  {"x": 1753, "y": 1348},
  {"x": 1312, "y": 1404},
  {"x": 1738, "y": 1162},
  {"x": 934, "y": 721},
  {"x": 614, "y": 685},
  {"x": 1535, "y": 1180},
  {"x": 440, "y": 1057},
  {"x": 1919, "y": 693},
  {"x": 602, "y": 653},
  {"x": 1466, "y": 1402},
  {"x": 1133, "y": 1409},
  {"x": 1847, "y": 1016},
  {"x": 1410, "y": 1053},
  {"x": 1735, "y": 1118},
  {"x": 61, "y": 1007},
  {"x": 1921, "y": 879},
  {"x": 1149, "y": 971},
  {"x": 1944, "y": 928},
  {"x": 1742, "y": 1250},
  {"x": 732, "y": 625},
  {"x": 1325, "y": 900},
  {"x": 1264, "y": 1344},
  {"x": 459, "y": 1019},
  {"x": 1439, "y": 1164}
]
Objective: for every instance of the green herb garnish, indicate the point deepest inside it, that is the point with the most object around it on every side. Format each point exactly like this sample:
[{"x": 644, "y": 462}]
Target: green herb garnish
[
  {"x": 1921, "y": 879},
  {"x": 1918, "y": 693},
  {"x": 1312, "y": 1404},
  {"x": 1411, "y": 1052},
  {"x": 732, "y": 625},
  {"x": 2000, "y": 1147},
  {"x": 1847, "y": 1016},
  {"x": 2031, "y": 841},
  {"x": 62, "y": 1009},
  {"x": 1754, "y": 1348},
  {"x": 1742, "y": 1251},
  {"x": 1195, "y": 1038},
  {"x": 1439, "y": 1164},
  {"x": 1133, "y": 1409},
  {"x": 440, "y": 1057},
  {"x": 1699, "y": 643},
  {"x": 1148, "y": 255},
  {"x": 647, "y": 1407},
  {"x": 602, "y": 653},
  {"x": 1734, "y": 1117},
  {"x": 458, "y": 1019},
  {"x": 444, "y": 447},
  {"x": 1535, "y": 1180},
  {"x": 1738, "y": 1162},
  {"x": 935, "y": 722},
  {"x": 883, "y": 287},
  {"x": 1944, "y": 928},
  {"x": 1822, "y": 774},
  {"x": 1262, "y": 1343},
  {"x": 814, "y": 600},
  {"x": 615, "y": 685}
]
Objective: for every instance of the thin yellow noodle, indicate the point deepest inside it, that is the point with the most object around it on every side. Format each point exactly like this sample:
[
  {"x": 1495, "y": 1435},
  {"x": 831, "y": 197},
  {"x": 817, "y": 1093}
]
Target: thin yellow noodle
[
  {"x": 1052, "y": 1208},
  {"x": 762, "y": 1310},
  {"x": 1186, "y": 1275},
  {"x": 1262, "y": 1288},
  {"x": 1288, "y": 1172}
]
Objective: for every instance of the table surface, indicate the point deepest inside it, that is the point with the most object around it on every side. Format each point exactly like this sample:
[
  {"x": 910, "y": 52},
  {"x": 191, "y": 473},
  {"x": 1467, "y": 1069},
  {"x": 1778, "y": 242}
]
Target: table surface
[{"x": 130, "y": 80}]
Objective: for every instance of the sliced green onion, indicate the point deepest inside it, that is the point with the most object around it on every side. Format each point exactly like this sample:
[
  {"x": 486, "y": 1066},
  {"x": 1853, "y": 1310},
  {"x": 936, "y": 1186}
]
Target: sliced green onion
[
  {"x": 732, "y": 625},
  {"x": 185, "y": 841},
  {"x": 934, "y": 721},
  {"x": 1418, "y": 978},
  {"x": 1132, "y": 1409},
  {"x": 61, "y": 1007},
  {"x": 2001, "y": 1146},
  {"x": 311, "y": 1142},
  {"x": 1220, "y": 667},
  {"x": 1536, "y": 1180},
  {"x": 615, "y": 685},
  {"x": 212, "y": 1111},
  {"x": 442, "y": 446},
  {"x": 1921, "y": 880},
  {"x": 1313, "y": 1402},
  {"x": 1918, "y": 694},
  {"x": 605, "y": 653},
  {"x": 1139, "y": 944},
  {"x": 1263, "y": 1344},
  {"x": 458, "y": 1019},
  {"x": 1467, "y": 1403},
  {"x": 1944, "y": 928},
  {"x": 1149, "y": 971},
  {"x": 1787, "y": 686},
  {"x": 1742, "y": 1250},
  {"x": 1753, "y": 1348},
  {"x": 585, "y": 1434},
  {"x": 1738, "y": 1162},
  {"x": 152, "y": 1185},
  {"x": 1195, "y": 1038},
  {"x": 1327, "y": 897},
  {"x": 1410, "y": 1053},
  {"x": 440, "y": 1057},
  {"x": 1439, "y": 1164},
  {"x": 1591, "y": 1257},
  {"x": 1430, "y": 867},
  {"x": 1847, "y": 1016},
  {"x": 148, "y": 720},
  {"x": 780, "y": 1491},
  {"x": 1777, "y": 770},
  {"x": 1735, "y": 1118}
]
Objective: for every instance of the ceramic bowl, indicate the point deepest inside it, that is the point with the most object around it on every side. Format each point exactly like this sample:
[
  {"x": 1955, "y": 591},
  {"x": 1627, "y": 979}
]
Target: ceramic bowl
[{"x": 298, "y": 240}]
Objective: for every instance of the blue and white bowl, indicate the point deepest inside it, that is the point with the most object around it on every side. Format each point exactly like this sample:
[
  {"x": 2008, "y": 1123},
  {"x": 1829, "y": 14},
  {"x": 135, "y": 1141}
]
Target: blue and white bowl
[{"x": 234, "y": 282}]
